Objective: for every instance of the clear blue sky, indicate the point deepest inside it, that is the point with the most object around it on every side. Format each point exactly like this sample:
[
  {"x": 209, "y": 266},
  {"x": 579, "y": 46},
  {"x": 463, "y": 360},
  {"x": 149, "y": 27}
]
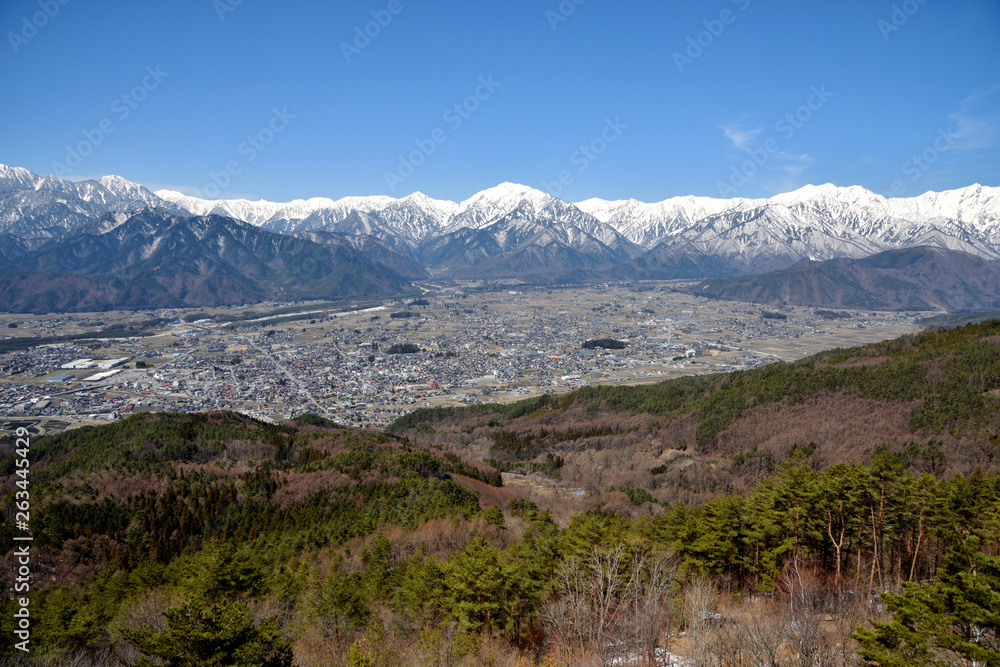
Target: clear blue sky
[{"x": 889, "y": 90}]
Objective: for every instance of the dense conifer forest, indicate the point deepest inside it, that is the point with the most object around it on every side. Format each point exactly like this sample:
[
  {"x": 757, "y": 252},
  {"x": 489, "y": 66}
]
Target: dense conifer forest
[{"x": 843, "y": 510}]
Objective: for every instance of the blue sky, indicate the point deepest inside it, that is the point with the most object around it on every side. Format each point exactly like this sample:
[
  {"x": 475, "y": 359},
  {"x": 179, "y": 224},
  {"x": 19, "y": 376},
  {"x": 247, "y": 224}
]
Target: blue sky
[{"x": 597, "y": 99}]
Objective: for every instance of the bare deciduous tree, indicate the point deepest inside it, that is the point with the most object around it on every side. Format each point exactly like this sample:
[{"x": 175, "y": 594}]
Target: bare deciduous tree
[
  {"x": 700, "y": 602},
  {"x": 649, "y": 613},
  {"x": 568, "y": 615}
]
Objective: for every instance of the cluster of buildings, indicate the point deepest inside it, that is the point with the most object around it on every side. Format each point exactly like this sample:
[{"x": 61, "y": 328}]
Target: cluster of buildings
[{"x": 473, "y": 347}]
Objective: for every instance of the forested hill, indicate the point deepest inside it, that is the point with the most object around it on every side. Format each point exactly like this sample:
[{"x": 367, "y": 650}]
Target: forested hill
[
  {"x": 218, "y": 508},
  {"x": 914, "y": 278},
  {"x": 932, "y": 397}
]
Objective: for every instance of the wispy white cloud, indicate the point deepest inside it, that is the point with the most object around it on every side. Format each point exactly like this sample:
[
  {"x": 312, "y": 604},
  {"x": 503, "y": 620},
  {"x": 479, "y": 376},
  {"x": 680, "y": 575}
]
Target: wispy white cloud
[
  {"x": 790, "y": 170},
  {"x": 976, "y": 121},
  {"x": 741, "y": 136},
  {"x": 778, "y": 171}
]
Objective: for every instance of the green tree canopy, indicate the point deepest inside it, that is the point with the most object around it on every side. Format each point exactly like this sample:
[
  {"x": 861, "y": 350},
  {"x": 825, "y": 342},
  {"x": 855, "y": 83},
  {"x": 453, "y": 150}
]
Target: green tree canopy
[
  {"x": 213, "y": 635},
  {"x": 956, "y": 620}
]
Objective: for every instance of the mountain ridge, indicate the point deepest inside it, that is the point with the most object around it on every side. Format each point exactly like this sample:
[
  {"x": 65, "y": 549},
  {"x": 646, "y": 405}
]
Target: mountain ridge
[
  {"x": 503, "y": 198},
  {"x": 917, "y": 278},
  {"x": 975, "y": 208},
  {"x": 517, "y": 231},
  {"x": 747, "y": 235},
  {"x": 156, "y": 259}
]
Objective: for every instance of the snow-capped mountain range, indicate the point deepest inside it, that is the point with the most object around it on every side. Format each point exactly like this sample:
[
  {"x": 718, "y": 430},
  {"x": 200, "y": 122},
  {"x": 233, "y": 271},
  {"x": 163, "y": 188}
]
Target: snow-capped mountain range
[
  {"x": 35, "y": 209},
  {"x": 513, "y": 228},
  {"x": 751, "y": 235},
  {"x": 840, "y": 210}
]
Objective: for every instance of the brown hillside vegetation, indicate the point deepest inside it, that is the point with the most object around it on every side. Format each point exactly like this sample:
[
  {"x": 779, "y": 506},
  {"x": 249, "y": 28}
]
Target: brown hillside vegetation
[
  {"x": 931, "y": 397},
  {"x": 843, "y": 425}
]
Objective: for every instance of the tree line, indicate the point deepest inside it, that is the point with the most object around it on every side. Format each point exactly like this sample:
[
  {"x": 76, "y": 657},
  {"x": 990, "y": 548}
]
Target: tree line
[{"x": 455, "y": 581}]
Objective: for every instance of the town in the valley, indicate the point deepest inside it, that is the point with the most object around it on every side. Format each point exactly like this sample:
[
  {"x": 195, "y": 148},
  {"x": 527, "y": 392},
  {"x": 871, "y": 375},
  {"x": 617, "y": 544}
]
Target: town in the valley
[{"x": 367, "y": 363}]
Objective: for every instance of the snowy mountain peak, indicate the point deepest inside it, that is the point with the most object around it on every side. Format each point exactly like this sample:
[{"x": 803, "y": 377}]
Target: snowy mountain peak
[
  {"x": 439, "y": 211},
  {"x": 191, "y": 204},
  {"x": 15, "y": 173},
  {"x": 370, "y": 202},
  {"x": 849, "y": 220},
  {"x": 809, "y": 193},
  {"x": 492, "y": 204},
  {"x": 417, "y": 198},
  {"x": 16, "y": 178},
  {"x": 118, "y": 184},
  {"x": 420, "y": 199},
  {"x": 505, "y": 195},
  {"x": 817, "y": 190}
]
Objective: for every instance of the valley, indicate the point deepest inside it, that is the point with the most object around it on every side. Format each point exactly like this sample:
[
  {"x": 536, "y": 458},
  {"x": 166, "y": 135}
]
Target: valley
[{"x": 475, "y": 343}]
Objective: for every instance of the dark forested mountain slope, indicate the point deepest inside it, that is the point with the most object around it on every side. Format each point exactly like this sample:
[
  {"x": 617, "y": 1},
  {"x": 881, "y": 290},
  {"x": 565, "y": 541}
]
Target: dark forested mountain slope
[
  {"x": 921, "y": 278},
  {"x": 395, "y": 257},
  {"x": 155, "y": 259},
  {"x": 670, "y": 262},
  {"x": 524, "y": 242}
]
